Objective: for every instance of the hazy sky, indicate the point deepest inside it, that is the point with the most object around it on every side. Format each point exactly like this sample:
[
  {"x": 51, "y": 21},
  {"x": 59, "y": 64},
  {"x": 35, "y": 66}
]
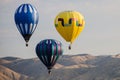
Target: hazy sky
[{"x": 101, "y": 35}]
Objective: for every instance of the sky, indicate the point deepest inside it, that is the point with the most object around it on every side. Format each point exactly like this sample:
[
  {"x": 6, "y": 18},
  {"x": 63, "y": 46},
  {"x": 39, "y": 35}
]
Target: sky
[{"x": 101, "y": 35}]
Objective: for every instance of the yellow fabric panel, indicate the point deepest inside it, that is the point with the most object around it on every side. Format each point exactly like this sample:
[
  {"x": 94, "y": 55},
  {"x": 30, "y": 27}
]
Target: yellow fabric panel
[
  {"x": 66, "y": 24},
  {"x": 77, "y": 30}
]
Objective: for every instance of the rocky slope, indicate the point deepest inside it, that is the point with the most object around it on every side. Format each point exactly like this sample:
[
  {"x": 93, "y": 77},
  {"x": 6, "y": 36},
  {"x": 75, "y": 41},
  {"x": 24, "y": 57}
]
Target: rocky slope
[
  {"x": 7, "y": 74},
  {"x": 74, "y": 67}
]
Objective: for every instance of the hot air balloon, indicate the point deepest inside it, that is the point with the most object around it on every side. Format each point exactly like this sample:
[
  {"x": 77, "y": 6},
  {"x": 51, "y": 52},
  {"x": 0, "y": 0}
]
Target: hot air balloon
[
  {"x": 49, "y": 51},
  {"x": 26, "y": 19},
  {"x": 69, "y": 25}
]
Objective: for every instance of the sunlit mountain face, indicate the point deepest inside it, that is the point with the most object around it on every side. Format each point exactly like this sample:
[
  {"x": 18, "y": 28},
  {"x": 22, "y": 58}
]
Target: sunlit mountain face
[{"x": 68, "y": 67}]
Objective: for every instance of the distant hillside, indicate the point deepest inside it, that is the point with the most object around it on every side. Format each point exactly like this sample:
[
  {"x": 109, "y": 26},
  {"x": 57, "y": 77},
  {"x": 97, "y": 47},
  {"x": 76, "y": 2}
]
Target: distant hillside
[
  {"x": 7, "y": 74},
  {"x": 6, "y": 60},
  {"x": 74, "y": 67},
  {"x": 10, "y": 58}
]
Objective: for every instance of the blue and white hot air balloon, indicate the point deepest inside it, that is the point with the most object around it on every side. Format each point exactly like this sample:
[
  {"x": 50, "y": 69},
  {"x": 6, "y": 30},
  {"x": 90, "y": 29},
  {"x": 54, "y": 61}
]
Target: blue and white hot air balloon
[{"x": 26, "y": 19}]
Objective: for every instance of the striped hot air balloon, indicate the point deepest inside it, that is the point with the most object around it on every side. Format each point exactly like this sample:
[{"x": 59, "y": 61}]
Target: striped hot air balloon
[
  {"x": 26, "y": 19},
  {"x": 48, "y": 51}
]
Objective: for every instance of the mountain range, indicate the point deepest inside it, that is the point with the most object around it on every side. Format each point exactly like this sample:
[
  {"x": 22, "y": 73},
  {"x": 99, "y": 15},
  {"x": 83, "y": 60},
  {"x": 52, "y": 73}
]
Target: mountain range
[{"x": 68, "y": 67}]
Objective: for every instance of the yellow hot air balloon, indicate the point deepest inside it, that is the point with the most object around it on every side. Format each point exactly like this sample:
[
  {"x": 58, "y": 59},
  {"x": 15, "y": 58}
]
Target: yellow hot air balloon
[{"x": 69, "y": 24}]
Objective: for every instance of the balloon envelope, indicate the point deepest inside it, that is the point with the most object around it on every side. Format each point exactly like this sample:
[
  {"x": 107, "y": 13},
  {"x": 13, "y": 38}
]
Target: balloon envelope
[
  {"x": 26, "y": 19},
  {"x": 69, "y": 24},
  {"x": 48, "y": 51}
]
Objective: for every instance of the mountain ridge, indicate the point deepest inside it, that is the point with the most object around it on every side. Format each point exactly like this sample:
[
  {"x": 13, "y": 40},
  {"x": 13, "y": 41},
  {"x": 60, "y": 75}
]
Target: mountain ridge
[{"x": 68, "y": 67}]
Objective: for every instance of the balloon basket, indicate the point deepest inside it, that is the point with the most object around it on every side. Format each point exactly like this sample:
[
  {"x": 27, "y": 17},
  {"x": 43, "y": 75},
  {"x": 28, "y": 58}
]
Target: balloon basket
[
  {"x": 70, "y": 46},
  {"x": 49, "y": 71},
  {"x": 26, "y": 44}
]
